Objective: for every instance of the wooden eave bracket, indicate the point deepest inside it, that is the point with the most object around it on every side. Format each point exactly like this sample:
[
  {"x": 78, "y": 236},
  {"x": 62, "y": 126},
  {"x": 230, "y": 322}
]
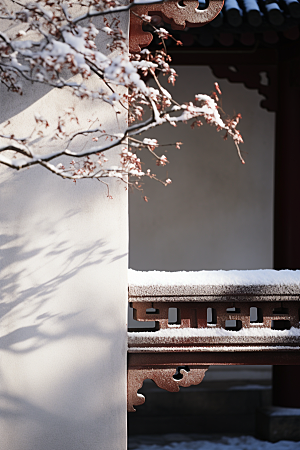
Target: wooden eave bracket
[{"x": 178, "y": 15}]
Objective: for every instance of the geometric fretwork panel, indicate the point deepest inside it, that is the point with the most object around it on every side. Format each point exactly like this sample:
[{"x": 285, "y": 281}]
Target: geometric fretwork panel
[{"x": 273, "y": 315}]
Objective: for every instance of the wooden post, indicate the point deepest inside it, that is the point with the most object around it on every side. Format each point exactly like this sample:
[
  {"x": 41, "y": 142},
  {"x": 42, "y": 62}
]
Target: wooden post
[{"x": 287, "y": 212}]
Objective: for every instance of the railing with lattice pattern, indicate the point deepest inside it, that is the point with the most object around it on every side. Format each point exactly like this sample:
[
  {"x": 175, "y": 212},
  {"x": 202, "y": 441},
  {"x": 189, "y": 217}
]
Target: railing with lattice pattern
[{"x": 204, "y": 318}]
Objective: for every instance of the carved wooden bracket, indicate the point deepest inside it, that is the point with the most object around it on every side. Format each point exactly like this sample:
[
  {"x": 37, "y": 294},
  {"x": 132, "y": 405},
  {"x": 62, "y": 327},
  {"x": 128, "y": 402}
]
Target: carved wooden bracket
[
  {"x": 250, "y": 76},
  {"x": 169, "y": 379},
  {"x": 178, "y": 15}
]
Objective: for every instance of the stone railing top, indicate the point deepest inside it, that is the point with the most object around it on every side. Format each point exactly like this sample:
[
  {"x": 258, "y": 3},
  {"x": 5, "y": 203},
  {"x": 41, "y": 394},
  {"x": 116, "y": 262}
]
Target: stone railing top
[{"x": 214, "y": 283}]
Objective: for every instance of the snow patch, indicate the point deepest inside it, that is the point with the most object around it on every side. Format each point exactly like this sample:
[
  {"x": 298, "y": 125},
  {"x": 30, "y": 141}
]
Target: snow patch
[
  {"x": 225, "y": 443},
  {"x": 213, "y": 349},
  {"x": 265, "y": 277},
  {"x": 219, "y": 282},
  {"x": 280, "y": 411},
  {"x": 213, "y": 332}
]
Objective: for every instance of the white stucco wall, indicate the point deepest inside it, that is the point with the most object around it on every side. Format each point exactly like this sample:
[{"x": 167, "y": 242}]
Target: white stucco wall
[
  {"x": 63, "y": 284},
  {"x": 217, "y": 213}
]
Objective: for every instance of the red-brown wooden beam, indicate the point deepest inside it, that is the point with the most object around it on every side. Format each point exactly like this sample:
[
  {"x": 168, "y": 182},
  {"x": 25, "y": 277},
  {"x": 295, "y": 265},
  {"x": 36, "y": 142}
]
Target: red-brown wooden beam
[{"x": 161, "y": 360}]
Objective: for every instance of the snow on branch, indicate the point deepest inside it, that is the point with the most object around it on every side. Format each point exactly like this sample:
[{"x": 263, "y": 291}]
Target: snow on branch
[{"x": 57, "y": 44}]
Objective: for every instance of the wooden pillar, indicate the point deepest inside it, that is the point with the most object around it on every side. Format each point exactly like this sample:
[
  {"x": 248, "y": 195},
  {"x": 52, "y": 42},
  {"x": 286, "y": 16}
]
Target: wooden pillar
[
  {"x": 286, "y": 390},
  {"x": 287, "y": 164},
  {"x": 287, "y": 200}
]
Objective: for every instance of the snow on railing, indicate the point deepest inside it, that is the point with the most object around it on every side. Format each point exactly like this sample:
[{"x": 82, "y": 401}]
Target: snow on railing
[
  {"x": 213, "y": 282},
  {"x": 209, "y": 317},
  {"x": 227, "y": 300}
]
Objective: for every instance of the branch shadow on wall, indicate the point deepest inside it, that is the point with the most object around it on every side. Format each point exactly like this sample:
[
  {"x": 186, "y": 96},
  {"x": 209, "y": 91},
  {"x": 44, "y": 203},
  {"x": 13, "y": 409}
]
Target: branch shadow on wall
[
  {"x": 13, "y": 296},
  {"x": 62, "y": 339}
]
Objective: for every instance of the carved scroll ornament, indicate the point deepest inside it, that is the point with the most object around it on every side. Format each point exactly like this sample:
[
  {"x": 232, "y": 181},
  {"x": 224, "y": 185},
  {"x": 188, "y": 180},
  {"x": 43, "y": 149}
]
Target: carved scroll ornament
[
  {"x": 167, "y": 379},
  {"x": 178, "y": 15}
]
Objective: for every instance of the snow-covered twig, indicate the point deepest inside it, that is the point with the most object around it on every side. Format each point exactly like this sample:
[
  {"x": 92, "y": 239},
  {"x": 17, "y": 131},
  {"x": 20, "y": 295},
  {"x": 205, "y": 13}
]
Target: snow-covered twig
[{"x": 58, "y": 48}]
